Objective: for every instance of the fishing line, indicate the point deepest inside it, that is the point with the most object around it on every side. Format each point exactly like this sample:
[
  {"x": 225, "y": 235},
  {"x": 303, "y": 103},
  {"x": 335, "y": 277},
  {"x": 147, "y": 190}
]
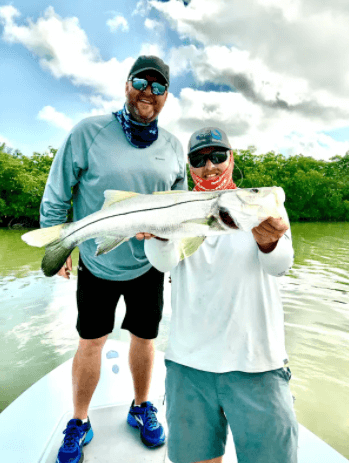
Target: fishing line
[{"x": 242, "y": 177}]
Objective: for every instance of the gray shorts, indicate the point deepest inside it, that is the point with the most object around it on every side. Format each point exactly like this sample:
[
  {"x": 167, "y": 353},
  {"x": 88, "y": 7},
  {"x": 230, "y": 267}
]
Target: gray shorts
[{"x": 257, "y": 406}]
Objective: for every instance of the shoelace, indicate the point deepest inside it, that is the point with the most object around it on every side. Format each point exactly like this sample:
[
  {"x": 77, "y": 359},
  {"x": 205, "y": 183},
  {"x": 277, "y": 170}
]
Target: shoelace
[
  {"x": 70, "y": 434},
  {"x": 150, "y": 417}
]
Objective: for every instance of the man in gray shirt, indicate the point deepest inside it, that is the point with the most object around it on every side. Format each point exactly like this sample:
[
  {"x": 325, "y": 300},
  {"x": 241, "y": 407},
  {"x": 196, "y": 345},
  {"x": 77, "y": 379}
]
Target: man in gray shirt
[{"x": 127, "y": 151}]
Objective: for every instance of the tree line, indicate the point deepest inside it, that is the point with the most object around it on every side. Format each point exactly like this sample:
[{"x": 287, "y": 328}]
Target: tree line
[{"x": 316, "y": 190}]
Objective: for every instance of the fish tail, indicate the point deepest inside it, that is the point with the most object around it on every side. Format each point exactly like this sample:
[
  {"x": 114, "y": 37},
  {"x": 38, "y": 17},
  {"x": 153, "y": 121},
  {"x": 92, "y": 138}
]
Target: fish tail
[
  {"x": 43, "y": 236},
  {"x": 56, "y": 252},
  {"x": 55, "y": 256}
]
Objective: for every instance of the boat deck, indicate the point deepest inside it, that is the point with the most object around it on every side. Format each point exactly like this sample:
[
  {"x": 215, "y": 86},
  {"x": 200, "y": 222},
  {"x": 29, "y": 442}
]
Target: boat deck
[
  {"x": 114, "y": 440},
  {"x": 31, "y": 427}
]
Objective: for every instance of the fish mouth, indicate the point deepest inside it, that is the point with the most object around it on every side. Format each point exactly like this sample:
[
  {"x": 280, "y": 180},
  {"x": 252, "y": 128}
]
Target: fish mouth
[{"x": 227, "y": 220}]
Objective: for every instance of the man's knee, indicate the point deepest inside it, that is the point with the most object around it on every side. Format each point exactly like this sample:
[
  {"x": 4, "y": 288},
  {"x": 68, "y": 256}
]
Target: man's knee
[
  {"x": 92, "y": 346},
  {"x": 138, "y": 340}
]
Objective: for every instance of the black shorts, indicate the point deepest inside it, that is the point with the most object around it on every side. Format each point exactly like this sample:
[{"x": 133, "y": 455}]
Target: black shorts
[{"x": 97, "y": 300}]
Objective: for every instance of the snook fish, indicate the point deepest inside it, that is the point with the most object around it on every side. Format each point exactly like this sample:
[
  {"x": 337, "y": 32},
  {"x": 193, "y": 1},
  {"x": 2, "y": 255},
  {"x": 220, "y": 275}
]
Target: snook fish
[{"x": 176, "y": 215}]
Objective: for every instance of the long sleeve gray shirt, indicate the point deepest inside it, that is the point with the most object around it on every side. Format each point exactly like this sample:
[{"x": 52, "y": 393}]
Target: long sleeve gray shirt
[{"x": 95, "y": 157}]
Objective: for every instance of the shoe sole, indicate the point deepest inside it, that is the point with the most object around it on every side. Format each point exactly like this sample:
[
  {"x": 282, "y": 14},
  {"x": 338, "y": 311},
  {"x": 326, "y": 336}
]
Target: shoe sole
[
  {"x": 152, "y": 446},
  {"x": 146, "y": 443}
]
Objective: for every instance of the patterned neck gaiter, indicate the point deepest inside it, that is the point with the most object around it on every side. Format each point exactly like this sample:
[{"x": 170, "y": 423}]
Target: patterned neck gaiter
[
  {"x": 138, "y": 135},
  {"x": 223, "y": 182}
]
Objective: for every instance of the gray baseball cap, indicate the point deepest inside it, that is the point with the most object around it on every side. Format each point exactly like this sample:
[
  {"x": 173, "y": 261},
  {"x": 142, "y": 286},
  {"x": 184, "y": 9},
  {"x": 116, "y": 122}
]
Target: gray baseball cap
[
  {"x": 208, "y": 136},
  {"x": 153, "y": 63}
]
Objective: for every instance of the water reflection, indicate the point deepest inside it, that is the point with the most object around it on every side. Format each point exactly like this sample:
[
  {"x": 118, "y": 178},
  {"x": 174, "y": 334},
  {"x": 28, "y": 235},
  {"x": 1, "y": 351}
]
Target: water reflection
[{"x": 316, "y": 303}]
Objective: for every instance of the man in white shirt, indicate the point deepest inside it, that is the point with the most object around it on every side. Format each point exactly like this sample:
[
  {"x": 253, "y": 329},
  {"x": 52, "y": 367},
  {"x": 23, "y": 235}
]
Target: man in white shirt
[{"x": 226, "y": 353}]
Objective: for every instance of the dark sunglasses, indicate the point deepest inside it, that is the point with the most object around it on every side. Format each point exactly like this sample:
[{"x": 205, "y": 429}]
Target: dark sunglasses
[
  {"x": 216, "y": 157},
  {"x": 142, "y": 84}
]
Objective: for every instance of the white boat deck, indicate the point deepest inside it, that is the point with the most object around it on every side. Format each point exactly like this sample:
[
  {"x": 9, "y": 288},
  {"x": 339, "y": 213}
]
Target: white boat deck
[{"x": 31, "y": 427}]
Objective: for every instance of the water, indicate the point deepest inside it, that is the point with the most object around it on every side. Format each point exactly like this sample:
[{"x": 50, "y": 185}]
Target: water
[{"x": 38, "y": 315}]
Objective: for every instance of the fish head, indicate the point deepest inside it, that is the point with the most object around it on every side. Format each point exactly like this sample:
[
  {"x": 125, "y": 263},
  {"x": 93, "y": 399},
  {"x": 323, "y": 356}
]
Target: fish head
[
  {"x": 264, "y": 195},
  {"x": 246, "y": 208}
]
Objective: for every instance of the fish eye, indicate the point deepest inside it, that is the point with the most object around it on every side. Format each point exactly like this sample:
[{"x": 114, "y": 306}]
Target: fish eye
[{"x": 255, "y": 190}]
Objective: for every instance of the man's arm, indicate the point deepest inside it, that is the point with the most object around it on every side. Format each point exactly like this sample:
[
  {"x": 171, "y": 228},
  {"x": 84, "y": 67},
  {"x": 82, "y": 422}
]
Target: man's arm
[{"x": 64, "y": 174}]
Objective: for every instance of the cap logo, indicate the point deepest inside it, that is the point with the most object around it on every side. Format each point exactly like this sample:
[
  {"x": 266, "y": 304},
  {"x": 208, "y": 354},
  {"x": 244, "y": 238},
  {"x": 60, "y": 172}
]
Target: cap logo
[
  {"x": 209, "y": 135},
  {"x": 216, "y": 134}
]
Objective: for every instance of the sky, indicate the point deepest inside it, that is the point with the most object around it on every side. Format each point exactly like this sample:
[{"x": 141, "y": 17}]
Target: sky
[{"x": 271, "y": 74}]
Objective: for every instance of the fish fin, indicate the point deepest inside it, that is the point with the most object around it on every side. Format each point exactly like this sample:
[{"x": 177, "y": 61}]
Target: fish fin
[
  {"x": 55, "y": 256},
  {"x": 188, "y": 246},
  {"x": 108, "y": 243},
  {"x": 198, "y": 221},
  {"x": 55, "y": 252},
  {"x": 43, "y": 236},
  {"x": 116, "y": 196},
  {"x": 170, "y": 192},
  {"x": 214, "y": 224}
]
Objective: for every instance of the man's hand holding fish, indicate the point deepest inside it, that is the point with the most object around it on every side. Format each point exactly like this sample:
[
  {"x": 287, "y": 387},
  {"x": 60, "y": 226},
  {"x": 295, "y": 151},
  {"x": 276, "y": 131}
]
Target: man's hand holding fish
[{"x": 268, "y": 233}]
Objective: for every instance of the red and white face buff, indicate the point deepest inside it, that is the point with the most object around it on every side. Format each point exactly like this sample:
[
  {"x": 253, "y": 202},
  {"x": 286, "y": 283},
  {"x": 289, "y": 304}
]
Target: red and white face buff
[{"x": 223, "y": 182}]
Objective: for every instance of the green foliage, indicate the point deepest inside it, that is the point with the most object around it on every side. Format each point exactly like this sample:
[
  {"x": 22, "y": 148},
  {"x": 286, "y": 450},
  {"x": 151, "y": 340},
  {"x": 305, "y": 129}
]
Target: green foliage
[
  {"x": 315, "y": 190},
  {"x": 22, "y": 183}
]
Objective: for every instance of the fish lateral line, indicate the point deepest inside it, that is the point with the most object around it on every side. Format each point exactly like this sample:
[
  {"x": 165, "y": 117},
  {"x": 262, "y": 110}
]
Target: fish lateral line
[{"x": 134, "y": 212}]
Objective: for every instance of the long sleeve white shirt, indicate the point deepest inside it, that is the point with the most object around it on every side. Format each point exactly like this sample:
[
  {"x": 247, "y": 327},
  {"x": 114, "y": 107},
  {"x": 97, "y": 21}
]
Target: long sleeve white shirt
[{"x": 227, "y": 313}]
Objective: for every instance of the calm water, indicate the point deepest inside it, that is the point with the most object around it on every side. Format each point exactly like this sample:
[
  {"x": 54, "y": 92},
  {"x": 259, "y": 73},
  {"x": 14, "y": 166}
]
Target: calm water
[{"x": 38, "y": 314}]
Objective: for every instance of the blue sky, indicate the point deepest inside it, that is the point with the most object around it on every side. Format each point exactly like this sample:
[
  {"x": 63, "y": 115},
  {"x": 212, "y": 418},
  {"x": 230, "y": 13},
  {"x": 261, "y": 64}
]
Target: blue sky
[{"x": 271, "y": 75}]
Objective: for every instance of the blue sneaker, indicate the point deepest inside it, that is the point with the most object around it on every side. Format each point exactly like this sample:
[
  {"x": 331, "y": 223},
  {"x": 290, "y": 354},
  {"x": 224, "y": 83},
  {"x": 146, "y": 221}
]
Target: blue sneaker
[
  {"x": 77, "y": 434},
  {"x": 144, "y": 418}
]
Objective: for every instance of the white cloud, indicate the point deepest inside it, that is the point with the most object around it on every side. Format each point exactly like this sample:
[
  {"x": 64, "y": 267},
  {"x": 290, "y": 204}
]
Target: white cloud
[
  {"x": 152, "y": 49},
  {"x": 51, "y": 115},
  {"x": 142, "y": 8},
  {"x": 290, "y": 9},
  {"x": 8, "y": 13},
  {"x": 288, "y": 59},
  {"x": 246, "y": 124},
  {"x": 7, "y": 142},
  {"x": 196, "y": 109},
  {"x": 317, "y": 145},
  {"x": 310, "y": 43},
  {"x": 252, "y": 78},
  {"x": 153, "y": 25},
  {"x": 273, "y": 111},
  {"x": 63, "y": 48},
  {"x": 290, "y": 88},
  {"x": 103, "y": 106},
  {"x": 118, "y": 22}
]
